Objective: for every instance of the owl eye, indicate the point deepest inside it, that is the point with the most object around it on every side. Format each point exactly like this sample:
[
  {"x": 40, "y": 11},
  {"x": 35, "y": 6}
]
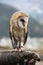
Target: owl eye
[{"x": 22, "y": 20}]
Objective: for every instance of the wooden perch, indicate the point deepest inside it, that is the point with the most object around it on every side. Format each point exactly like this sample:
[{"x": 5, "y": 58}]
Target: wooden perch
[{"x": 18, "y": 58}]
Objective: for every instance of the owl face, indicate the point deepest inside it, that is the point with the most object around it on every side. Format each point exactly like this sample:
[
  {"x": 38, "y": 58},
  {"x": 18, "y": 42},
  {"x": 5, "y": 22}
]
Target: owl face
[{"x": 22, "y": 21}]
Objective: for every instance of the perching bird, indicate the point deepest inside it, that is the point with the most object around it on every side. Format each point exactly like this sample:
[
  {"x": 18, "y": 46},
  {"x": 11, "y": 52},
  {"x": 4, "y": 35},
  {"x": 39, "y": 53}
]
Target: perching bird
[{"x": 18, "y": 29}]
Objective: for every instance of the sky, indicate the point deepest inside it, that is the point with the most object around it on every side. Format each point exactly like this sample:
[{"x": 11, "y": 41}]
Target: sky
[{"x": 32, "y": 7}]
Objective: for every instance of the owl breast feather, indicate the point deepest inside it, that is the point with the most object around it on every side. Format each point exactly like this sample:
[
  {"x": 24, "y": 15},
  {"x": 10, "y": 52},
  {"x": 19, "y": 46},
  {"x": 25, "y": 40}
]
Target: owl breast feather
[{"x": 18, "y": 33}]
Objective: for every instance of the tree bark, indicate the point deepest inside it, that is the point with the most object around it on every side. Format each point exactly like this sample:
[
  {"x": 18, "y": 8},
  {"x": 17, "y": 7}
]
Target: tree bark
[{"x": 18, "y": 58}]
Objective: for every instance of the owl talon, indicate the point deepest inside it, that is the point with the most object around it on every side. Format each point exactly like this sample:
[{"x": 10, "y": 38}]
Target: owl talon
[
  {"x": 22, "y": 49},
  {"x": 15, "y": 49}
]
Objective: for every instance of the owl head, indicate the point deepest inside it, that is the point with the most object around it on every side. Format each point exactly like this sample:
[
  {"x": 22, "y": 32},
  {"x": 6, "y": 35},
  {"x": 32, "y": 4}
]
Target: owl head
[{"x": 20, "y": 19}]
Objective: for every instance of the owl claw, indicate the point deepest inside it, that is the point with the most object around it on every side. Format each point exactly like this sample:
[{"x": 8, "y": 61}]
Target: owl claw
[
  {"x": 15, "y": 49},
  {"x": 21, "y": 49}
]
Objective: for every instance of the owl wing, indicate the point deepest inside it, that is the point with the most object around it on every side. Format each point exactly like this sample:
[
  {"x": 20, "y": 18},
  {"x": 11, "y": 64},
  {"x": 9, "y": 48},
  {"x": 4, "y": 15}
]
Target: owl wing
[{"x": 26, "y": 34}]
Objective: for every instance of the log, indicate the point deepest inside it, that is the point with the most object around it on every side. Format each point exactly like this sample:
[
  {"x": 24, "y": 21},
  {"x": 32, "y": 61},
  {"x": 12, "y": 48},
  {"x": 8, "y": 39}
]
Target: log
[{"x": 18, "y": 58}]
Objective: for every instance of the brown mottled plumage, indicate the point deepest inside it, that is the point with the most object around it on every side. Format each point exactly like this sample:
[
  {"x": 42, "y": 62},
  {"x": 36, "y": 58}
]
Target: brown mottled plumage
[{"x": 18, "y": 29}]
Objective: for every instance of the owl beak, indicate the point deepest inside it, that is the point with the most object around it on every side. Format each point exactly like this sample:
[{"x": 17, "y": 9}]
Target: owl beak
[{"x": 26, "y": 19}]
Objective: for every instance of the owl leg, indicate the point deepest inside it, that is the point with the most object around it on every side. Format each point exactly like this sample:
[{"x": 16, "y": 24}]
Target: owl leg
[
  {"x": 21, "y": 47},
  {"x": 22, "y": 43}
]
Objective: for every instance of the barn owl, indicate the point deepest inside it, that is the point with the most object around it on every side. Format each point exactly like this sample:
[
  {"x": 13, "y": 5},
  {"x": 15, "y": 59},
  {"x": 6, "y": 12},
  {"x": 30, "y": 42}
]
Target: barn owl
[{"x": 18, "y": 29}]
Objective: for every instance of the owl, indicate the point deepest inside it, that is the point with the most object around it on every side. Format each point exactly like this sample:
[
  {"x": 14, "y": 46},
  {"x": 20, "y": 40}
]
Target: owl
[{"x": 18, "y": 29}]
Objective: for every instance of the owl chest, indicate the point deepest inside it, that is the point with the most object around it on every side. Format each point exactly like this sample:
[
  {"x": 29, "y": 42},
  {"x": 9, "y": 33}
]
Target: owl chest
[{"x": 18, "y": 33}]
